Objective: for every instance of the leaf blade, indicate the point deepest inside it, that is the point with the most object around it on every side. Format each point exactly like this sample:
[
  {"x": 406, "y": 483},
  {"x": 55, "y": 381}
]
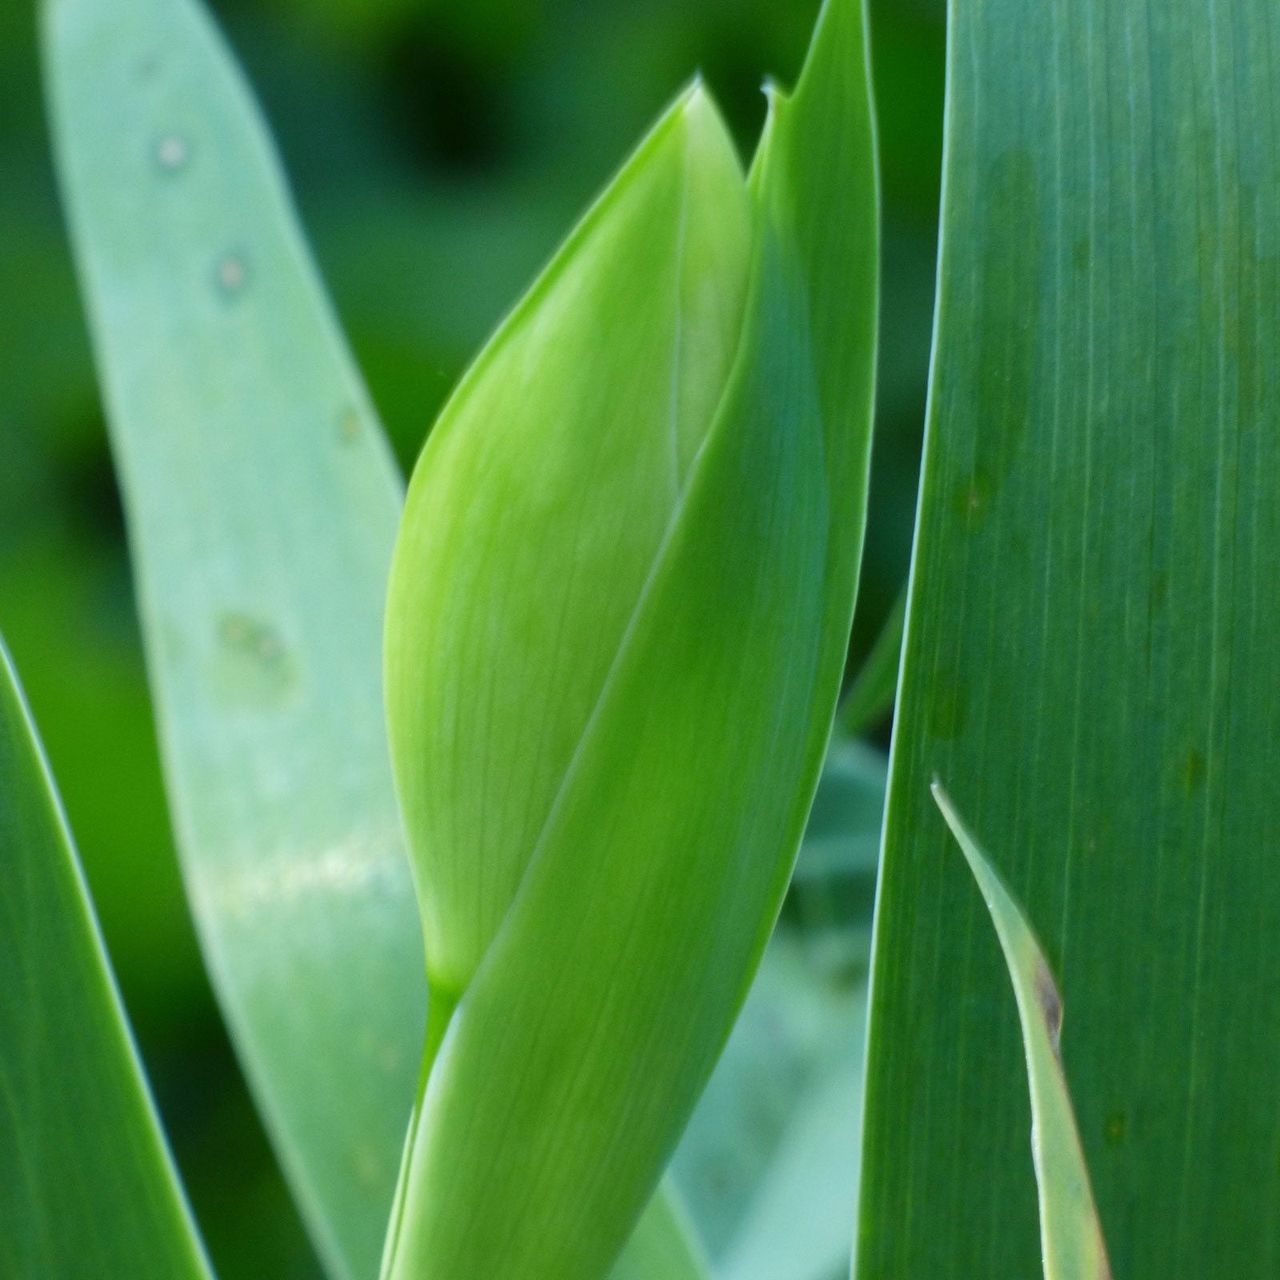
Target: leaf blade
[
  {"x": 664, "y": 1245},
  {"x": 1088, "y": 641},
  {"x": 262, "y": 504},
  {"x": 232, "y": 458},
  {"x": 87, "y": 1185}
]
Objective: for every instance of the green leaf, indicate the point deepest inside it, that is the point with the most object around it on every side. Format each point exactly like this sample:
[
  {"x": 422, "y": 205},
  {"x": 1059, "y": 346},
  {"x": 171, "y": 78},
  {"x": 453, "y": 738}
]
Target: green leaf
[
  {"x": 664, "y": 1245},
  {"x": 870, "y": 697},
  {"x": 617, "y": 621},
  {"x": 262, "y": 508},
  {"x": 1090, "y": 654},
  {"x": 1070, "y": 1234},
  {"x": 87, "y": 1186},
  {"x": 628, "y": 337}
]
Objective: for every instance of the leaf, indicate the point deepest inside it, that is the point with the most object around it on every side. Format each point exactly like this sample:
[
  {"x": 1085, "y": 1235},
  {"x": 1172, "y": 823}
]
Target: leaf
[
  {"x": 87, "y": 1186},
  {"x": 1090, "y": 654},
  {"x": 608, "y": 714},
  {"x": 870, "y": 697},
  {"x": 768, "y": 1166},
  {"x": 664, "y": 1244},
  {"x": 647, "y": 295},
  {"x": 1070, "y": 1234},
  {"x": 262, "y": 507}
]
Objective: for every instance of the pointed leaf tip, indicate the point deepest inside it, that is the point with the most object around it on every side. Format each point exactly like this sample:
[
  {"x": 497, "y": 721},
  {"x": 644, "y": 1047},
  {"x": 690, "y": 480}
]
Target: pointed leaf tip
[
  {"x": 87, "y": 1184},
  {"x": 575, "y": 617},
  {"x": 1070, "y": 1231}
]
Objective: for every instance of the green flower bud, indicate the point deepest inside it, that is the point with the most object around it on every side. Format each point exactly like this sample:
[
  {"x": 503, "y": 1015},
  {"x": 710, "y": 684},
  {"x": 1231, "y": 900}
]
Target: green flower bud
[{"x": 617, "y": 620}]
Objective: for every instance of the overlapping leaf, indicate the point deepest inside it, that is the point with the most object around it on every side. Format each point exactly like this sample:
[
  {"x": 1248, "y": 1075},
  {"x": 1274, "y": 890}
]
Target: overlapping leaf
[
  {"x": 609, "y": 885},
  {"x": 664, "y": 1245},
  {"x": 87, "y": 1187},
  {"x": 262, "y": 507},
  {"x": 540, "y": 511}
]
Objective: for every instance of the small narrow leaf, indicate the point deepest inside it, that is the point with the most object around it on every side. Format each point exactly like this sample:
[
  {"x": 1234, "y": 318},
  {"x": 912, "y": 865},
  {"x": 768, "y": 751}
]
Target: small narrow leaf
[
  {"x": 87, "y": 1186},
  {"x": 870, "y": 696},
  {"x": 1070, "y": 1233}
]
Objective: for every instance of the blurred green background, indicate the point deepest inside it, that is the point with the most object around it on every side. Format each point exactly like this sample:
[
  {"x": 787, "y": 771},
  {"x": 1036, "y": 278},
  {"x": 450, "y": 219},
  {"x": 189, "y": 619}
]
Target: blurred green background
[{"x": 438, "y": 149}]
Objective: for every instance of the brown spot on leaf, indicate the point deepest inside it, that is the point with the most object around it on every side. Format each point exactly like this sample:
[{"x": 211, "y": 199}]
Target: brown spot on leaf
[
  {"x": 349, "y": 426},
  {"x": 253, "y": 664},
  {"x": 1194, "y": 770},
  {"x": 1117, "y": 1127},
  {"x": 1050, "y": 1004}
]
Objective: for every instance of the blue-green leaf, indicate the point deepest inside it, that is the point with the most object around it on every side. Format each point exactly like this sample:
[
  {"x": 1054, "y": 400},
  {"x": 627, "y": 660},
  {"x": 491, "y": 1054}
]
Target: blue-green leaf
[{"x": 262, "y": 506}]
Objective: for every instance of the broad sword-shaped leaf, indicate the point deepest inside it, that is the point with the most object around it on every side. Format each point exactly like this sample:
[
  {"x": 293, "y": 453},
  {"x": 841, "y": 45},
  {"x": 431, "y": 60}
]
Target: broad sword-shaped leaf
[
  {"x": 87, "y": 1186},
  {"x": 1090, "y": 653}
]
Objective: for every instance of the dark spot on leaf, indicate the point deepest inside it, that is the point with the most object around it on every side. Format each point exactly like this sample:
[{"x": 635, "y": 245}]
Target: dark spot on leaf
[
  {"x": 973, "y": 497},
  {"x": 1050, "y": 1004},
  {"x": 1194, "y": 771},
  {"x": 1116, "y": 1128},
  {"x": 253, "y": 664},
  {"x": 232, "y": 274},
  {"x": 349, "y": 426}
]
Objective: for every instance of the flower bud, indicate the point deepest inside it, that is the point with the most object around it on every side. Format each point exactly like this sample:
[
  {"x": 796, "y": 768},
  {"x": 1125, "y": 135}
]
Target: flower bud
[{"x": 617, "y": 621}]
